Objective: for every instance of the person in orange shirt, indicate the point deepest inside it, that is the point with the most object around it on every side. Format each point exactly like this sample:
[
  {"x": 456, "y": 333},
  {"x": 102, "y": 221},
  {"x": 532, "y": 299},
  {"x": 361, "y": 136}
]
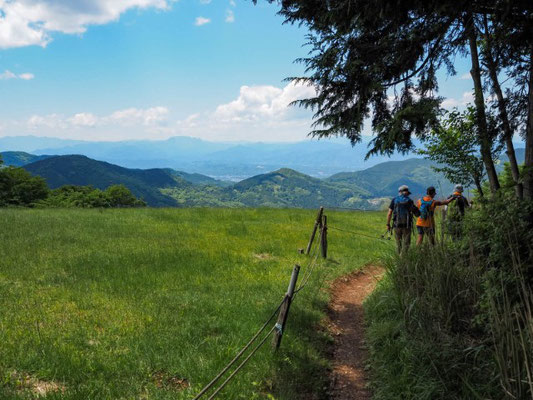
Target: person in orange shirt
[{"x": 425, "y": 225}]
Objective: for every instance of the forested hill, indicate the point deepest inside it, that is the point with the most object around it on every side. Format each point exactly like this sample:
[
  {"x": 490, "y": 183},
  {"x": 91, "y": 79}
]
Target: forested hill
[
  {"x": 163, "y": 187},
  {"x": 20, "y": 158},
  {"x": 81, "y": 170},
  {"x": 385, "y": 178}
]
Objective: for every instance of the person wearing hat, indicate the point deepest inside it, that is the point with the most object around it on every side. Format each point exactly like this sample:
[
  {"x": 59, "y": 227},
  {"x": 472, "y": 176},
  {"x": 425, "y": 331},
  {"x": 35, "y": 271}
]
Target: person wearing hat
[
  {"x": 461, "y": 201},
  {"x": 425, "y": 225},
  {"x": 401, "y": 211},
  {"x": 456, "y": 213}
]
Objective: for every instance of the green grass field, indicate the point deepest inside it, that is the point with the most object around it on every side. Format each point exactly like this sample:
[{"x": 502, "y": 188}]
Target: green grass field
[{"x": 152, "y": 303}]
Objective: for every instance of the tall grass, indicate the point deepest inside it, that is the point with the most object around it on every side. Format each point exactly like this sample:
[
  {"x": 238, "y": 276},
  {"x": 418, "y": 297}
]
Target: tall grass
[
  {"x": 458, "y": 315},
  {"x": 152, "y": 303}
]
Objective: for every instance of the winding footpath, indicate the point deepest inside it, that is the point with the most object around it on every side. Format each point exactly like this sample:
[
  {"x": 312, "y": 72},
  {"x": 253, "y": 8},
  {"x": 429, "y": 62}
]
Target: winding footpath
[{"x": 348, "y": 376}]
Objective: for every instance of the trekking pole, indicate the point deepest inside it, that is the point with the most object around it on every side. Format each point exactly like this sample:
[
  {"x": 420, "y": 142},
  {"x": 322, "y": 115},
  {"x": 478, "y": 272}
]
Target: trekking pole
[{"x": 387, "y": 235}]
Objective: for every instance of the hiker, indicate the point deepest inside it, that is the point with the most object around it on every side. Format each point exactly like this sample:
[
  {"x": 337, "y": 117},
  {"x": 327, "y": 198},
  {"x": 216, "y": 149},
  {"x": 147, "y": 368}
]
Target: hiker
[
  {"x": 462, "y": 201},
  {"x": 402, "y": 209},
  {"x": 456, "y": 213},
  {"x": 425, "y": 225}
]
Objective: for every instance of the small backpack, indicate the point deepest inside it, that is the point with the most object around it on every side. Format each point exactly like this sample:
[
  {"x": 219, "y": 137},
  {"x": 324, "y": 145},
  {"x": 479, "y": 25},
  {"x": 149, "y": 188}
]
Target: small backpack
[
  {"x": 402, "y": 212},
  {"x": 425, "y": 208}
]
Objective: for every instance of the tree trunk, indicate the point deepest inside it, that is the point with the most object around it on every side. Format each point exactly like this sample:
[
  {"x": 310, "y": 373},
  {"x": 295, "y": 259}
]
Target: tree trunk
[
  {"x": 481, "y": 118},
  {"x": 507, "y": 130},
  {"x": 528, "y": 171},
  {"x": 479, "y": 187}
]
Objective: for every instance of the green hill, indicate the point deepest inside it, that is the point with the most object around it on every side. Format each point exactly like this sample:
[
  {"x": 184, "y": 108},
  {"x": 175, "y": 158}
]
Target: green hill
[
  {"x": 20, "y": 158},
  {"x": 289, "y": 188},
  {"x": 81, "y": 170},
  {"x": 385, "y": 178}
]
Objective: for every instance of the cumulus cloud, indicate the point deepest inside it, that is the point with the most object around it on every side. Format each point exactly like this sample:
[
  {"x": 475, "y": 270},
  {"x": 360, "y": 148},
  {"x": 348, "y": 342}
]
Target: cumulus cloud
[
  {"x": 258, "y": 102},
  {"x": 148, "y": 117},
  {"x": 199, "y": 21},
  {"x": 30, "y": 22},
  {"x": 466, "y": 98},
  {"x": 83, "y": 119},
  {"x": 258, "y": 113},
  {"x": 230, "y": 16},
  {"x": 10, "y": 75},
  {"x": 466, "y": 76},
  {"x": 136, "y": 116}
]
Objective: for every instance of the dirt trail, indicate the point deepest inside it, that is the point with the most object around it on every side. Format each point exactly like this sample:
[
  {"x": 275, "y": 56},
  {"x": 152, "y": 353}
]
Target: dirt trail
[{"x": 348, "y": 377}]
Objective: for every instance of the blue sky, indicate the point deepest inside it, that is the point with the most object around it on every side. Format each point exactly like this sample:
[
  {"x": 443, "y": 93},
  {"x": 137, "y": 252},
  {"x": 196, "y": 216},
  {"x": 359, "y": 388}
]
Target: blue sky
[{"x": 151, "y": 69}]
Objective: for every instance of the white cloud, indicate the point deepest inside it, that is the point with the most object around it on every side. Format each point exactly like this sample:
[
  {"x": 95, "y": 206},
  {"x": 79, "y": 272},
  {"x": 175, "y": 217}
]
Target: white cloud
[
  {"x": 232, "y": 3},
  {"x": 450, "y": 102},
  {"x": 83, "y": 119},
  {"x": 52, "y": 121},
  {"x": 7, "y": 75},
  {"x": 30, "y": 22},
  {"x": 136, "y": 116},
  {"x": 257, "y": 113},
  {"x": 199, "y": 21},
  {"x": 26, "y": 76},
  {"x": 10, "y": 75},
  {"x": 230, "y": 16},
  {"x": 127, "y": 118},
  {"x": 466, "y": 76},
  {"x": 205, "y": 1}
]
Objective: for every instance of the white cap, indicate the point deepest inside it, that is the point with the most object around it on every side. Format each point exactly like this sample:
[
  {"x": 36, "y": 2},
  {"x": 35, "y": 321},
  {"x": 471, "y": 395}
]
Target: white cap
[
  {"x": 403, "y": 188},
  {"x": 459, "y": 188}
]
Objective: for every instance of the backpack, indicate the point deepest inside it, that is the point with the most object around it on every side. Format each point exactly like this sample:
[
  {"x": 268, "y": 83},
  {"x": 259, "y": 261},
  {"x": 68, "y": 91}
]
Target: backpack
[
  {"x": 425, "y": 208},
  {"x": 402, "y": 212}
]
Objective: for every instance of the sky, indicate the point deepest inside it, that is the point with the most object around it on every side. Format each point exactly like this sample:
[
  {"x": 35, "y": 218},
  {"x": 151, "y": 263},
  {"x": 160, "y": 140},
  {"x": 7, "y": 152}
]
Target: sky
[{"x": 152, "y": 69}]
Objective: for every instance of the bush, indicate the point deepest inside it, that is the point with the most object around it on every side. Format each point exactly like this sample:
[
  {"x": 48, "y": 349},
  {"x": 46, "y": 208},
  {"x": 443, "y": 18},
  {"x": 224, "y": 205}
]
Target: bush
[
  {"x": 462, "y": 312},
  {"x": 70, "y": 196},
  {"x": 19, "y": 188}
]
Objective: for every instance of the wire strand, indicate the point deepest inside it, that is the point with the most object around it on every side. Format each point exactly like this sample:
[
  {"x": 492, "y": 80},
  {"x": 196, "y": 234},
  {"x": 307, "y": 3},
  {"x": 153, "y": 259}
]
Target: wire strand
[
  {"x": 242, "y": 364},
  {"x": 357, "y": 233},
  {"x": 239, "y": 354}
]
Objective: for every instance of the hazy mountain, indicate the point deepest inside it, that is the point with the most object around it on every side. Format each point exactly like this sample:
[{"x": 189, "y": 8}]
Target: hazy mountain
[
  {"x": 33, "y": 144},
  {"x": 226, "y": 161},
  {"x": 20, "y": 158}
]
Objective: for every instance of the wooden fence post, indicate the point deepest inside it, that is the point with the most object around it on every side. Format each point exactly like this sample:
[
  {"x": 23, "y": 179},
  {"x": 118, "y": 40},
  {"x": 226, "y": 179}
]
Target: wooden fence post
[
  {"x": 318, "y": 222},
  {"x": 284, "y": 311},
  {"x": 324, "y": 237}
]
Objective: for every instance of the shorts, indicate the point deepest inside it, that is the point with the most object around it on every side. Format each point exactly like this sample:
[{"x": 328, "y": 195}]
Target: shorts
[{"x": 424, "y": 230}]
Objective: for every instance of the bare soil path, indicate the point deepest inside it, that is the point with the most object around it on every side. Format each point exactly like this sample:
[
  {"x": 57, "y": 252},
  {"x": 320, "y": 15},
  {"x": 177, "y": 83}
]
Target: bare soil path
[{"x": 348, "y": 377}]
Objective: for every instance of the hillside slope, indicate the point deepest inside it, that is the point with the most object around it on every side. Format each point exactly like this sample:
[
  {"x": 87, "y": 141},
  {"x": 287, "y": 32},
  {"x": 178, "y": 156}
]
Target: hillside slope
[
  {"x": 289, "y": 188},
  {"x": 385, "y": 178},
  {"x": 81, "y": 170},
  {"x": 20, "y": 158}
]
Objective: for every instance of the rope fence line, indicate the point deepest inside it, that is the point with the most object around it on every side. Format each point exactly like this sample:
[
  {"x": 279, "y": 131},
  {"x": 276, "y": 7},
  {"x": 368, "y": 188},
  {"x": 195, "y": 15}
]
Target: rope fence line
[
  {"x": 319, "y": 247},
  {"x": 383, "y": 237}
]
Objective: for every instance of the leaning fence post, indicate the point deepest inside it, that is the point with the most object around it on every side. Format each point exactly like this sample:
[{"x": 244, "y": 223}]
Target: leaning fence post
[
  {"x": 324, "y": 237},
  {"x": 318, "y": 222},
  {"x": 284, "y": 311}
]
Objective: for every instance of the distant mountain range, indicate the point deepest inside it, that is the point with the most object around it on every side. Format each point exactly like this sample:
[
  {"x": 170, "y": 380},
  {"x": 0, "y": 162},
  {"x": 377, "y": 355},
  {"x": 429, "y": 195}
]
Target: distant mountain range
[
  {"x": 285, "y": 187},
  {"x": 224, "y": 161}
]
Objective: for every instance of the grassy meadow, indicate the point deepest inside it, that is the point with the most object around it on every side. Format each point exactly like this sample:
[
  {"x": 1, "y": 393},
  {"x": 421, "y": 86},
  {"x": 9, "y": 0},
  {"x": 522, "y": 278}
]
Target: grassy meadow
[{"x": 152, "y": 303}]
